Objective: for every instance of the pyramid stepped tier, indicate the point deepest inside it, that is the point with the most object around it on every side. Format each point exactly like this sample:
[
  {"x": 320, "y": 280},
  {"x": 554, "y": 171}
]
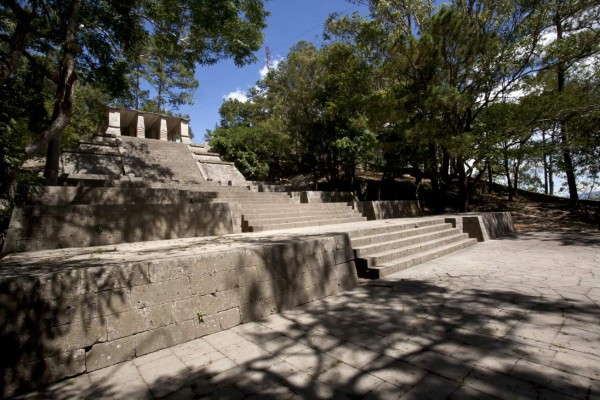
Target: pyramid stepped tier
[
  {"x": 109, "y": 158},
  {"x": 261, "y": 217},
  {"x": 385, "y": 250},
  {"x": 127, "y": 189}
]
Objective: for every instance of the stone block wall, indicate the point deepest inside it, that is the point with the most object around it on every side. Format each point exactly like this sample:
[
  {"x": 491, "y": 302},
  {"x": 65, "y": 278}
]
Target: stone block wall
[
  {"x": 63, "y": 318},
  {"x": 375, "y": 210},
  {"x": 483, "y": 226},
  {"x": 313, "y": 196},
  {"x": 39, "y": 227},
  {"x": 223, "y": 172}
]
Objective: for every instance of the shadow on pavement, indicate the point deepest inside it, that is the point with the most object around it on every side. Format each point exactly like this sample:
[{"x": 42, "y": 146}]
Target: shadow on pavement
[
  {"x": 564, "y": 238},
  {"x": 393, "y": 338}
]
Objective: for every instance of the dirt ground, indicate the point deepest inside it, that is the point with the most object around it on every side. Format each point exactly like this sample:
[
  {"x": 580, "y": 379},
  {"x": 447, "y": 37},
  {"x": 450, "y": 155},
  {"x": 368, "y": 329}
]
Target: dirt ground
[{"x": 537, "y": 216}]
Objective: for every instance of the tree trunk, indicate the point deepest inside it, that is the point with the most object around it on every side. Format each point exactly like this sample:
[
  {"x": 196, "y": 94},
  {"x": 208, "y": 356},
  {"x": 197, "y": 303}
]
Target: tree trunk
[
  {"x": 490, "y": 182},
  {"x": 137, "y": 89},
  {"x": 516, "y": 169},
  {"x": 63, "y": 103},
  {"x": 508, "y": 180},
  {"x": 52, "y": 161},
  {"x": 445, "y": 172},
  {"x": 564, "y": 136},
  {"x": 439, "y": 195},
  {"x": 545, "y": 162},
  {"x": 569, "y": 169},
  {"x": 463, "y": 204},
  {"x": 550, "y": 174}
]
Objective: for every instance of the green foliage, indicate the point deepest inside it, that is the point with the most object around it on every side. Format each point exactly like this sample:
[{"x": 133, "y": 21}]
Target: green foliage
[
  {"x": 61, "y": 61},
  {"x": 439, "y": 69},
  {"x": 256, "y": 144},
  {"x": 89, "y": 110}
]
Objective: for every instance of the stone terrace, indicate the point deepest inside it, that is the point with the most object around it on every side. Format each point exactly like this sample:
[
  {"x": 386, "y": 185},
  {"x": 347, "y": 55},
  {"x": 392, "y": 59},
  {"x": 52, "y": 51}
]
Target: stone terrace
[{"x": 517, "y": 318}]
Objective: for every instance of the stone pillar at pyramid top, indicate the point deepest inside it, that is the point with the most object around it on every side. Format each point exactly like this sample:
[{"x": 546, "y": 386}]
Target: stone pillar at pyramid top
[{"x": 146, "y": 125}]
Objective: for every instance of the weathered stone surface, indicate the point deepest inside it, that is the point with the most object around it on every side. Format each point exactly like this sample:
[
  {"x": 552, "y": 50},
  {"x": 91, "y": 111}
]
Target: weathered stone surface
[
  {"x": 160, "y": 315},
  {"x": 214, "y": 282},
  {"x": 113, "y": 301},
  {"x": 53, "y": 340},
  {"x": 96, "y": 225},
  {"x": 105, "y": 354},
  {"x": 247, "y": 276},
  {"x": 483, "y": 226},
  {"x": 125, "y": 324},
  {"x": 229, "y": 319},
  {"x": 167, "y": 336},
  {"x": 376, "y": 210},
  {"x": 162, "y": 292},
  {"x": 30, "y": 375},
  {"x": 168, "y": 269},
  {"x": 257, "y": 310},
  {"x": 117, "y": 309},
  {"x": 207, "y": 325},
  {"x": 476, "y": 324}
]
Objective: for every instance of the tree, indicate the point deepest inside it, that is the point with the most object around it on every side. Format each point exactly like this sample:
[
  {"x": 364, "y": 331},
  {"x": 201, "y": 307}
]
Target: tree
[
  {"x": 173, "y": 82},
  {"x": 320, "y": 95},
  {"x": 574, "y": 25},
  {"x": 253, "y": 139},
  {"x": 100, "y": 43},
  {"x": 441, "y": 67}
]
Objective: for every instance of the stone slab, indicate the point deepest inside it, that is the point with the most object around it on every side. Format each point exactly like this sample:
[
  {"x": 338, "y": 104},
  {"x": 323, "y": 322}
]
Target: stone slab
[
  {"x": 114, "y": 303},
  {"x": 483, "y": 226},
  {"x": 375, "y": 210}
]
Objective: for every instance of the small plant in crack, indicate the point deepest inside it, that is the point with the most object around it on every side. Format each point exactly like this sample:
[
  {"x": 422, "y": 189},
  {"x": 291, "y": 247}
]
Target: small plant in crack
[{"x": 200, "y": 317}]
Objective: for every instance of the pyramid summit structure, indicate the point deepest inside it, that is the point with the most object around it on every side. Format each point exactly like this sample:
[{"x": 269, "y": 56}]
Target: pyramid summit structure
[{"x": 142, "y": 179}]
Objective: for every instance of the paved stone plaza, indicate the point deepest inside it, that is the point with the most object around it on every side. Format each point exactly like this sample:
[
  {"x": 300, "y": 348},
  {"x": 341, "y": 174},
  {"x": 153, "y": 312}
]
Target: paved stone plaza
[{"x": 517, "y": 318}]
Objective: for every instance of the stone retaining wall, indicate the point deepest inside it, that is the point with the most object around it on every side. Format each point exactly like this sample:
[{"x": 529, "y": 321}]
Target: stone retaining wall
[
  {"x": 63, "y": 318},
  {"x": 375, "y": 210},
  {"x": 39, "y": 227},
  {"x": 314, "y": 196},
  {"x": 483, "y": 226}
]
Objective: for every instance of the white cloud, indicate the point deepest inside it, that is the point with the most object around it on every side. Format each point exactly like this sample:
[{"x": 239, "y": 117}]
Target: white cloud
[
  {"x": 236, "y": 95},
  {"x": 263, "y": 71}
]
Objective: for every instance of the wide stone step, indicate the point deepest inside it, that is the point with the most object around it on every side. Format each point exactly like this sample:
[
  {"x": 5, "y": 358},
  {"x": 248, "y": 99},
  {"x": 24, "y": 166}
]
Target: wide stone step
[
  {"x": 285, "y": 213},
  {"x": 386, "y": 256},
  {"x": 241, "y": 195},
  {"x": 299, "y": 218},
  {"x": 77, "y": 195},
  {"x": 293, "y": 206},
  {"x": 262, "y": 228},
  {"x": 272, "y": 202},
  {"x": 211, "y": 186},
  {"x": 415, "y": 238},
  {"x": 379, "y": 271},
  {"x": 405, "y": 230},
  {"x": 407, "y": 223}
]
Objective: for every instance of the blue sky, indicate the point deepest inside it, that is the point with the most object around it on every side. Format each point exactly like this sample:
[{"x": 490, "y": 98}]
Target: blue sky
[{"x": 290, "y": 21}]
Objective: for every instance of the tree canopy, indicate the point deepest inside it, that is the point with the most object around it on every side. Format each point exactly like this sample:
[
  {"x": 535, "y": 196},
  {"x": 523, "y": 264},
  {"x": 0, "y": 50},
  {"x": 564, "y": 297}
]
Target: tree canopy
[
  {"x": 60, "y": 47},
  {"x": 447, "y": 91}
]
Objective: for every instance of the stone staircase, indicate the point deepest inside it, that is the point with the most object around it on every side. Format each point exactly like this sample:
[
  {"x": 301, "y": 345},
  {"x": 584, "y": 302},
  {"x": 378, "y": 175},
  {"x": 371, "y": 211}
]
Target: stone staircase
[
  {"x": 128, "y": 189},
  {"x": 156, "y": 160},
  {"x": 213, "y": 167},
  {"x": 385, "y": 250},
  {"x": 265, "y": 217}
]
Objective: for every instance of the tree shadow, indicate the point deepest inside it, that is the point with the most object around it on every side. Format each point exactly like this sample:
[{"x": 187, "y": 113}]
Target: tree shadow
[
  {"x": 584, "y": 239},
  {"x": 391, "y": 338},
  {"x": 63, "y": 217},
  {"x": 150, "y": 160},
  {"x": 57, "y": 305}
]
